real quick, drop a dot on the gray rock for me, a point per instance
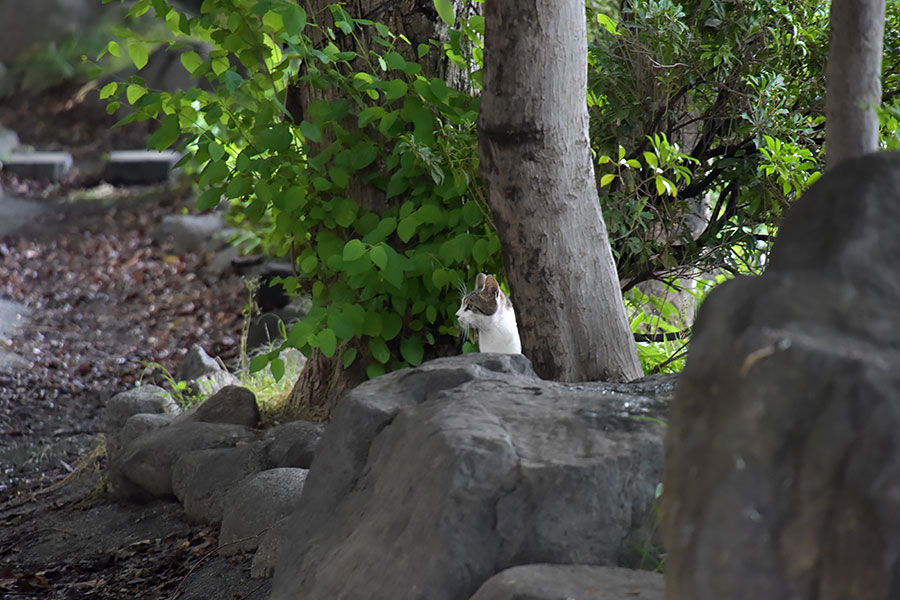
(145, 399)
(144, 469)
(475, 464)
(293, 444)
(263, 565)
(196, 363)
(255, 505)
(201, 479)
(782, 463)
(9, 140)
(568, 582)
(191, 233)
(39, 165)
(136, 167)
(140, 423)
(203, 373)
(212, 383)
(231, 404)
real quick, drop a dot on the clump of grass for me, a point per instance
(272, 394)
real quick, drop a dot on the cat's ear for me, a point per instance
(491, 286)
(479, 281)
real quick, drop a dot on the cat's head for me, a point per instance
(482, 304)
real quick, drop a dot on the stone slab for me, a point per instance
(39, 165)
(135, 167)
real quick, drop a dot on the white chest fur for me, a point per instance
(496, 333)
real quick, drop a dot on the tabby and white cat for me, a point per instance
(487, 310)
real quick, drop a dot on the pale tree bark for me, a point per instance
(853, 79)
(536, 164)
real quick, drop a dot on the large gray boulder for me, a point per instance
(568, 582)
(783, 458)
(430, 480)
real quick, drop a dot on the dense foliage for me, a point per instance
(706, 123)
(382, 271)
(716, 109)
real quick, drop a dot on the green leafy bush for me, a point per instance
(374, 191)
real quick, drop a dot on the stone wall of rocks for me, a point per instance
(460, 478)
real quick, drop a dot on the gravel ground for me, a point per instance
(101, 300)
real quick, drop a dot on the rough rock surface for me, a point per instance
(293, 444)
(196, 364)
(201, 479)
(783, 459)
(144, 469)
(145, 399)
(567, 582)
(430, 480)
(255, 505)
(231, 404)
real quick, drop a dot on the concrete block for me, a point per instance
(135, 167)
(39, 165)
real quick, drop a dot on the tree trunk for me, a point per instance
(853, 79)
(536, 164)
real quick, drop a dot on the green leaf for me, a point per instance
(113, 48)
(445, 11)
(216, 151)
(439, 89)
(325, 341)
(137, 51)
(277, 367)
(412, 351)
(294, 19)
(610, 25)
(348, 357)
(423, 123)
(391, 325)
(395, 88)
(308, 264)
(364, 154)
(481, 252)
(353, 250)
(431, 313)
(109, 90)
(374, 370)
(133, 92)
(369, 114)
(341, 326)
(191, 61)
(209, 199)
(651, 160)
(167, 134)
(607, 179)
(407, 228)
(379, 349)
(379, 257)
(311, 131)
(213, 173)
(258, 362)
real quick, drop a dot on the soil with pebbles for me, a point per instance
(103, 302)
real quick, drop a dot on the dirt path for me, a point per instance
(103, 300)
